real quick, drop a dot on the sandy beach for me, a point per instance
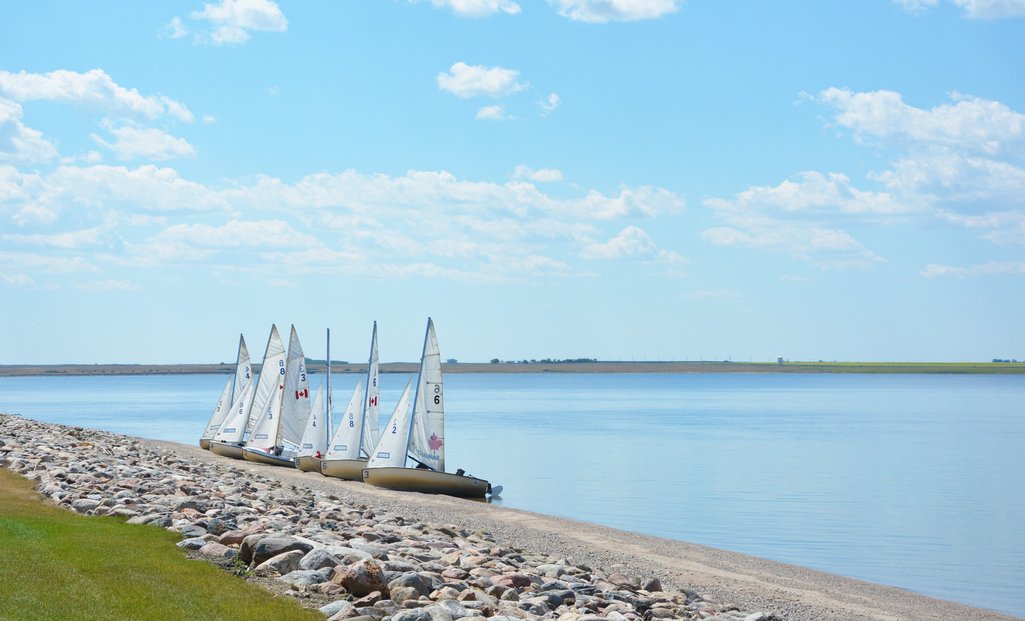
(791, 592)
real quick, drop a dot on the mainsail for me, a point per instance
(283, 417)
(220, 411)
(345, 443)
(270, 383)
(232, 389)
(427, 439)
(371, 407)
(314, 439)
(391, 450)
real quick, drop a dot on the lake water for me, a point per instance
(916, 481)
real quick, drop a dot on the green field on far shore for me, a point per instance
(56, 564)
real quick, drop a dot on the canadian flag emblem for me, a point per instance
(304, 393)
(373, 400)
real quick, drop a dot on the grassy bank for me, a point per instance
(55, 564)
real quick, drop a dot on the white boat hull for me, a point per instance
(426, 481)
(204, 443)
(262, 457)
(308, 463)
(225, 449)
(350, 469)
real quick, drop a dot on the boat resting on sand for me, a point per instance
(427, 481)
(261, 456)
(226, 449)
(358, 432)
(420, 436)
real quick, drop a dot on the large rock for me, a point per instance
(256, 549)
(318, 559)
(421, 583)
(363, 578)
(304, 577)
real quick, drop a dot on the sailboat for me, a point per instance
(421, 436)
(238, 425)
(314, 441)
(358, 432)
(232, 389)
(279, 425)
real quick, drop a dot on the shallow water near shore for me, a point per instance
(909, 480)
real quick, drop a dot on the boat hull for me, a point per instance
(426, 481)
(204, 443)
(224, 449)
(308, 463)
(260, 457)
(350, 469)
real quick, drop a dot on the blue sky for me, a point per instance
(617, 179)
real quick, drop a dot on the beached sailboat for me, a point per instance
(358, 432)
(232, 389)
(279, 425)
(238, 426)
(314, 441)
(421, 437)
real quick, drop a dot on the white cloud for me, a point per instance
(477, 80)
(426, 223)
(493, 113)
(549, 104)
(602, 11)
(19, 143)
(45, 264)
(972, 9)
(984, 269)
(969, 122)
(19, 280)
(108, 285)
(792, 218)
(145, 143)
(92, 87)
(478, 8)
(233, 20)
(543, 175)
(71, 240)
(630, 242)
(174, 29)
(236, 233)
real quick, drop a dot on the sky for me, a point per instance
(610, 179)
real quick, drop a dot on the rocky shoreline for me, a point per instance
(371, 555)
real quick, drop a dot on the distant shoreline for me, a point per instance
(984, 368)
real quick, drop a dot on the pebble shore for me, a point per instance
(375, 558)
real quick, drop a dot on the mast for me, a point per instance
(327, 402)
(418, 394)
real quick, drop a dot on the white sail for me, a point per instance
(234, 425)
(371, 407)
(345, 443)
(391, 450)
(270, 383)
(295, 407)
(243, 369)
(427, 439)
(220, 411)
(314, 439)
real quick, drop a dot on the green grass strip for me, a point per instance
(56, 564)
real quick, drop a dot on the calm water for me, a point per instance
(910, 480)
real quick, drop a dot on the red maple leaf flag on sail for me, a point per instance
(434, 442)
(305, 392)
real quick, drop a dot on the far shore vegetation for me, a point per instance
(57, 564)
(998, 366)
